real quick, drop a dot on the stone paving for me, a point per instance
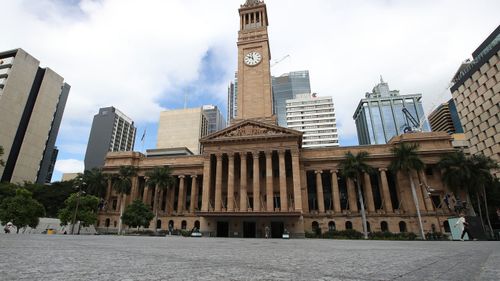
(65, 257)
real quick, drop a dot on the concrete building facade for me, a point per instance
(111, 131)
(476, 92)
(315, 117)
(445, 119)
(32, 102)
(380, 117)
(285, 87)
(182, 128)
(255, 175)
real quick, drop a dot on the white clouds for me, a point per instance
(69, 166)
(135, 55)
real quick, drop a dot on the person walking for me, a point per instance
(463, 225)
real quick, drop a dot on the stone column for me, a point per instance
(145, 194)
(256, 181)
(335, 192)
(205, 197)
(218, 184)
(319, 192)
(351, 194)
(155, 198)
(134, 190)
(194, 191)
(160, 199)
(386, 195)
(269, 181)
(243, 182)
(181, 198)
(171, 199)
(368, 192)
(230, 182)
(427, 197)
(303, 190)
(297, 194)
(108, 192)
(283, 193)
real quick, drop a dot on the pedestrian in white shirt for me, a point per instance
(463, 225)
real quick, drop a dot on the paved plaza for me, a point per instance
(64, 257)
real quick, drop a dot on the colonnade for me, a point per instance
(237, 182)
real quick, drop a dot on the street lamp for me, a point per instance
(78, 194)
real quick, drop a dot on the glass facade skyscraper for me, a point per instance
(232, 99)
(285, 87)
(216, 121)
(379, 116)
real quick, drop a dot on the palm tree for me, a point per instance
(1, 154)
(352, 167)
(123, 185)
(94, 182)
(161, 179)
(481, 167)
(456, 172)
(406, 160)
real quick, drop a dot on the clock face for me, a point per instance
(252, 58)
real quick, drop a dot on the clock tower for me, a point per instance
(254, 76)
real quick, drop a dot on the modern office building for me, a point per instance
(216, 121)
(111, 131)
(255, 175)
(182, 128)
(315, 117)
(32, 101)
(380, 115)
(287, 87)
(476, 93)
(232, 99)
(445, 119)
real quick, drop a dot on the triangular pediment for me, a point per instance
(251, 129)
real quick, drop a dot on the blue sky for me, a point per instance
(145, 56)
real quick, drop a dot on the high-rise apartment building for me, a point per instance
(315, 117)
(111, 131)
(232, 99)
(476, 92)
(216, 121)
(182, 128)
(445, 118)
(286, 87)
(380, 115)
(32, 101)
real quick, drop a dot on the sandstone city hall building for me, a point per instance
(255, 174)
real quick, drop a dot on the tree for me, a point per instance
(2, 163)
(137, 214)
(481, 167)
(7, 190)
(352, 167)
(93, 182)
(21, 210)
(122, 183)
(406, 160)
(86, 213)
(51, 196)
(159, 178)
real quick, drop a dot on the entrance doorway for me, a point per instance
(222, 229)
(277, 228)
(249, 229)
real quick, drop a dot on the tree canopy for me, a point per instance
(93, 182)
(87, 209)
(406, 158)
(137, 214)
(122, 182)
(22, 210)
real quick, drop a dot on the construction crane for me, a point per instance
(416, 125)
(280, 60)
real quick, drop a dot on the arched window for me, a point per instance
(170, 224)
(446, 226)
(107, 223)
(315, 227)
(368, 227)
(183, 225)
(348, 225)
(197, 225)
(158, 224)
(384, 226)
(402, 226)
(114, 223)
(331, 226)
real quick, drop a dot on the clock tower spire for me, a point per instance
(254, 75)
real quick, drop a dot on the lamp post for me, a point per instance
(76, 210)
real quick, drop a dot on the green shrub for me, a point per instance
(343, 234)
(436, 236)
(386, 235)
